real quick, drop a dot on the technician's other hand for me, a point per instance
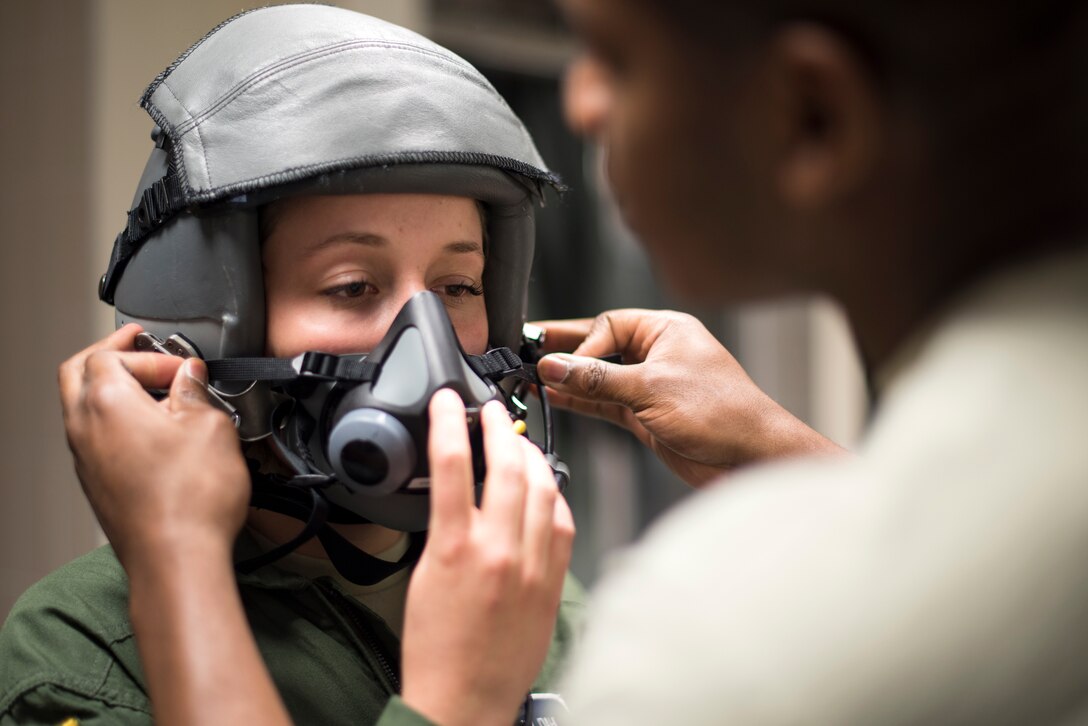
(159, 475)
(484, 597)
(681, 392)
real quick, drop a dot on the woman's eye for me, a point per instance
(460, 289)
(354, 288)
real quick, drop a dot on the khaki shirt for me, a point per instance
(939, 577)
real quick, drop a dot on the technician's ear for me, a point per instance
(587, 97)
(830, 116)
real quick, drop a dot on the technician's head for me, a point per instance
(788, 145)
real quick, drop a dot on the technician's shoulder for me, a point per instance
(67, 650)
(939, 576)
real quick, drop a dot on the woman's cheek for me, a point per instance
(298, 326)
(306, 325)
(288, 334)
(471, 327)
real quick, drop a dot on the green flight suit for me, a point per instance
(67, 649)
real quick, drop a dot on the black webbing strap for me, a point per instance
(362, 568)
(494, 365)
(285, 500)
(251, 369)
(159, 203)
(312, 507)
(323, 366)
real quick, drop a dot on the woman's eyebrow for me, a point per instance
(368, 239)
(362, 238)
(465, 247)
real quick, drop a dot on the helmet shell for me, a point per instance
(308, 99)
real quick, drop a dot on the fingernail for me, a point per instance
(553, 369)
(445, 397)
(496, 405)
(195, 370)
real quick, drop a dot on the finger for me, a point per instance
(592, 379)
(70, 373)
(564, 335)
(606, 336)
(630, 332)
(144, 370)
(503, 505)
(189, 387)
(613, 413)
(562, 546)
(608, 333)
(539, 513)
(124, 338)
(151, 370)
(450, 456)
(108, 387)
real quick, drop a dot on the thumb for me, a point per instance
(592, 379)
(189, 387)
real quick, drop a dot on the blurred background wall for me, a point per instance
(74, 142)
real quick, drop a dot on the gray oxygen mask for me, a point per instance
(353, 429)
(372, 435)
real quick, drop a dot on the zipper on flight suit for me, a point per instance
(344, 606)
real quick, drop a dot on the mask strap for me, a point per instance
(361, 567)
(286, 500)
(312, 507)
(495, 364)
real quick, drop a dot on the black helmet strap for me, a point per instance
(159, 203)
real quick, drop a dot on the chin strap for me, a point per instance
(301, 497)
(285, 500)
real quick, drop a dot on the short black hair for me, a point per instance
(913, 40)
(983, 73)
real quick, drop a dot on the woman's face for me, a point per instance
(338, 269)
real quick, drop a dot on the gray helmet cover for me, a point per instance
(309, 99)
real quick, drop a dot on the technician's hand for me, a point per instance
(681, 392)
(170, 488)
(483, 599)
(158, 474)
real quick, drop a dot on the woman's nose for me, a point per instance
(397, 299)
(382, 317)
(587, 97)
(404, 293)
